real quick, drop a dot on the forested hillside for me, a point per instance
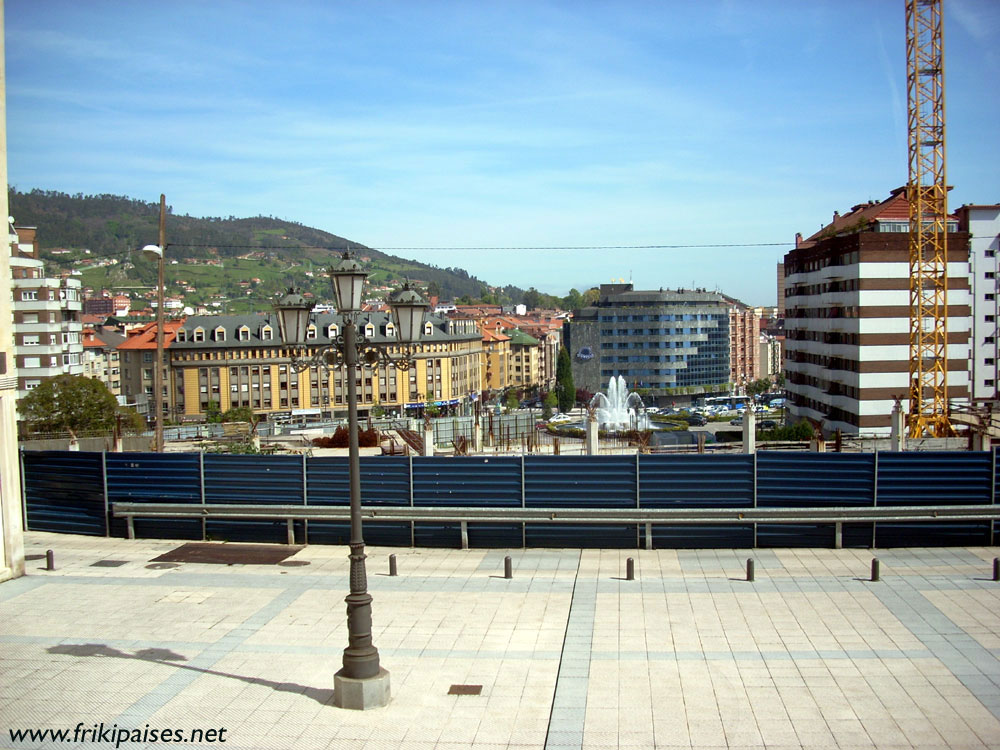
(278, 252)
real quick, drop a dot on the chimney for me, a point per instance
(836, 215)
(798, 239)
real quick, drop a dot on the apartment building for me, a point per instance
(495, 367)
(47, 328)
(101, 358)
(982, 222)
(744, 343)
(847, 318)
(525, 359)
(656, 340)
(137, 365)
(239, 360)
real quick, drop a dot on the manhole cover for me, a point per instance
(465, 690)
(108, 563)
(293, 563)
(229, 554)
(162, 566)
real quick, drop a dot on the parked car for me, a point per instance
(768, 424)
(738, 421)
(697, 420)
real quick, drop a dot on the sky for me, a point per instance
(428, 128)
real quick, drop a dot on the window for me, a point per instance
(220, 334)
(988, 383)
(29, 295)
(991, 275)
(244, 333)
(199, 334)
(29, 317)
(32, 362)
(30, 385)
(332, 331)
(267, 333)
(311, 331)
(147, 356)
(31, 340)
(181, 334)
(428, 328)
(369, 330)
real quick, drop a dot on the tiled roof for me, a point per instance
(893, 208)
(145, 337)
(520, 338)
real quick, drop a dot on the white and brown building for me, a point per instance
(47, 328)
(847, 318)
(982, 222)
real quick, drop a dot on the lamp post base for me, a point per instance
(361, 695)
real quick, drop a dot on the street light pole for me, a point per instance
(362, 683)
(360, 657)
(156, 252)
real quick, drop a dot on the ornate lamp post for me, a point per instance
(362, 683)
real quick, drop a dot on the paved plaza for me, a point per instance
(568, 653)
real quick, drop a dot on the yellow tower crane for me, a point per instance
(927, 193)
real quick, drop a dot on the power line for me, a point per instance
(484, 247)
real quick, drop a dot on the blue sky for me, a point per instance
(501, 124)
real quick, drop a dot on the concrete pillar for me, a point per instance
(116, 444)
(749, 430)
(74, 444)
(817, 445)
(592, 443)
(477, 436)
(897, 428)
(428, 440)
(981, 441)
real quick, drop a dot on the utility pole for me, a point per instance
(158, 373)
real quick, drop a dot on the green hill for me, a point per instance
(211, 259)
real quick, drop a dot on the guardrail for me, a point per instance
(646, 517)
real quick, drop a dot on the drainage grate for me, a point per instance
(465, 690)
(109, 563)
(229, 554)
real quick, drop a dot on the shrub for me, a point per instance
(340, 439)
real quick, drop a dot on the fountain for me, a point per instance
(619, 409)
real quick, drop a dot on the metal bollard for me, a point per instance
(875, 570)
(750, 573)
(996, 568)
(50, 560)
(508, 571)
(392, 565)
(630, 569)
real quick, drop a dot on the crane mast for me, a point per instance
(927, 194)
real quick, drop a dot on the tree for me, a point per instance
(573, 300)
(550, 401)
(212, 412)
(240, 414)
(564, 380)
(757, 387)
(72, 403)
(512, 400)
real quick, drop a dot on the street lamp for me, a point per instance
(155, 253)
(362, 683)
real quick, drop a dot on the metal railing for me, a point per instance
(647, 517)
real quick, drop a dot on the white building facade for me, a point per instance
(47, 327)
(982, 222)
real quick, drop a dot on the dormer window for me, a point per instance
(428, 328)
(311, 331)
(369, 329)
(199, 334)
(266, 333)
(244, 333)
(181, 335)
(220, 334)
(332, 331)
(390, 330)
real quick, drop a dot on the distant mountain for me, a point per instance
(278, 253)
